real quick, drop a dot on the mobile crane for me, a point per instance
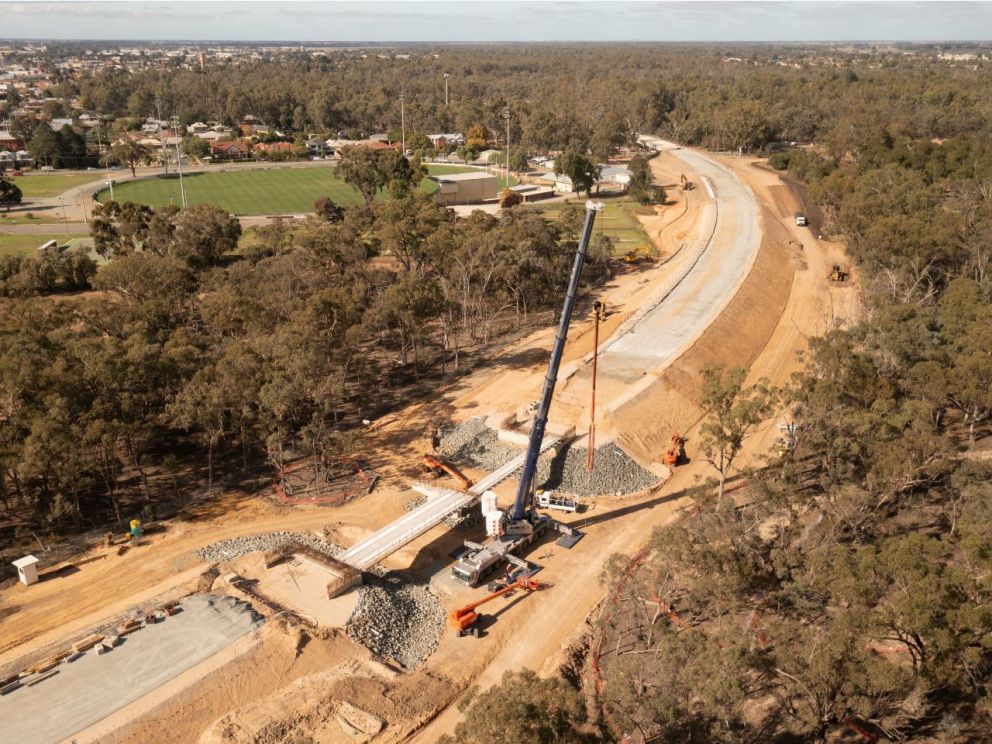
(522, 524)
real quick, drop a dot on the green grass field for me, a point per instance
(24, 244)
(618, 220)
(53, 184)
(287, 190)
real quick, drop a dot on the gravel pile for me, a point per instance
(614, 472)
(473, 443)
(398, 620)
(235, 547)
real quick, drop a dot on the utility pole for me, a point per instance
(597, 314)
(403, 124)
(161, 137)
(65, 224)
(446, 76)
(82, 201)
(506, 113)
(179, 162)
(99, 146)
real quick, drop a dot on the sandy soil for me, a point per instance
(806, 303)
(528, 630)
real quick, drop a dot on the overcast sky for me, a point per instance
(495, 20)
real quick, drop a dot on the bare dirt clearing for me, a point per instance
(782, 299)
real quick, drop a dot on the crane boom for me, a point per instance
(541, 418)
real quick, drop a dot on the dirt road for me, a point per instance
(533, 635)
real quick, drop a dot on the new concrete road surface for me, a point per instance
(719, 259)
(92, 687)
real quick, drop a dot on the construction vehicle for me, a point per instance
(801, 220)
(837, 274)
(641, 254)
(466, 620)
(675, 450)
(548, 500)
(437, 466)
(685, 182)
(522, 524)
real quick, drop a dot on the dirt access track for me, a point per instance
(781, 297)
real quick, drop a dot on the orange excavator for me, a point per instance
(436, 466)
(674, 452)
(465, 619)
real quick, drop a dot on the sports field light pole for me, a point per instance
(403, 124)
(446, 76)
(179, 163)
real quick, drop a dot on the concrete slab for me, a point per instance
(94, 686)
(300, 584)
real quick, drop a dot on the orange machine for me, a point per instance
(464, 619)
(674, 451)
(436, 464)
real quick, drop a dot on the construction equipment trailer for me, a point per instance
(522, 524)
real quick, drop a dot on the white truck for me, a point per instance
(548, 500)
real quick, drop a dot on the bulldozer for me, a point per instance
(837, 274)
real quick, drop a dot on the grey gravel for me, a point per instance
(397, 619)
(235, 547)
(473, 443)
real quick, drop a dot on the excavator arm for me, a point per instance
(465, 617)
(434, 463)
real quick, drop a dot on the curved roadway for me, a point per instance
(705, 280)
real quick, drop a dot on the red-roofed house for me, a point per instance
(230, 150)
(282, 149)
(377, 145)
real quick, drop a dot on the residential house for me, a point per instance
(282, 149)
(378, 145)
(197, 127)
(442, 141)
(9, 142)
(316, 147)
(57, 124)
(229, 150)
(211, 136)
